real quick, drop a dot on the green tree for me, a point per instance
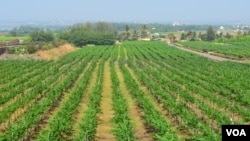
(193, 36)
(100, 33)
(199, 35)
(204, 36)
(135, 36)
(144, 31)
(126, 34)
(171, 37)
(41, 36)
(228, 36)
(13, 32)
(210, 34)
(221, 34)
(103, 27)
(127, 28)
(189, 33)
(183, 37)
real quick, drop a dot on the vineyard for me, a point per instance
(134, 91)
(234, 50)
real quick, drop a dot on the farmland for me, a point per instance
(233, 50)
(133, 91)
(8, 38)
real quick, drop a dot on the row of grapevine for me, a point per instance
(178, 109)
(14, 131)
(200, 83)
(123, 129)
(236, 50)
(153, 118)
(38, 90)
(60, 124)
(168, 69)
(178, 94)
(89, 121)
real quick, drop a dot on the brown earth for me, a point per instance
(105, 124)
(55, 53)
(135, 112)
(19, 57)
(83, 105)
(51, 54)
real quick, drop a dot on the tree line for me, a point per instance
(99, 33)
(129, 34)
(211, 35)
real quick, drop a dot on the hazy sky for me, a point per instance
(188, 11)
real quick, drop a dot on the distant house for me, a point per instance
(20, 41)
(145, 39)
(222, 28)
(155, 35)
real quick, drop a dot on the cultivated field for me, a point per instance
(8, 38)
(135, 91)
(234, 50)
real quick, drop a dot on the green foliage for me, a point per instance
(22, 30)
(183, 37)
(130, 35)
(17, 50)
(9, 38)
(229, 38)
(235, 50)
(98, 34)
(171, 37)
(31, 48)
(144, 32)
(210, 34)
(13, 33)
(127, 35)
(203, 37)
(135, 36)
(41, 36)
(156, 27)
(190, 36)
(175, 92)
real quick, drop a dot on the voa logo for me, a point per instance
(236, 132)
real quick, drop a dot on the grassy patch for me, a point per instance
(9, 38)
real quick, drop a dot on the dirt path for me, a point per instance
(83, 106)
(207, 55)
(125, 52)
(134, 112)
(119, 54)
(105, 125)
(20, 57)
